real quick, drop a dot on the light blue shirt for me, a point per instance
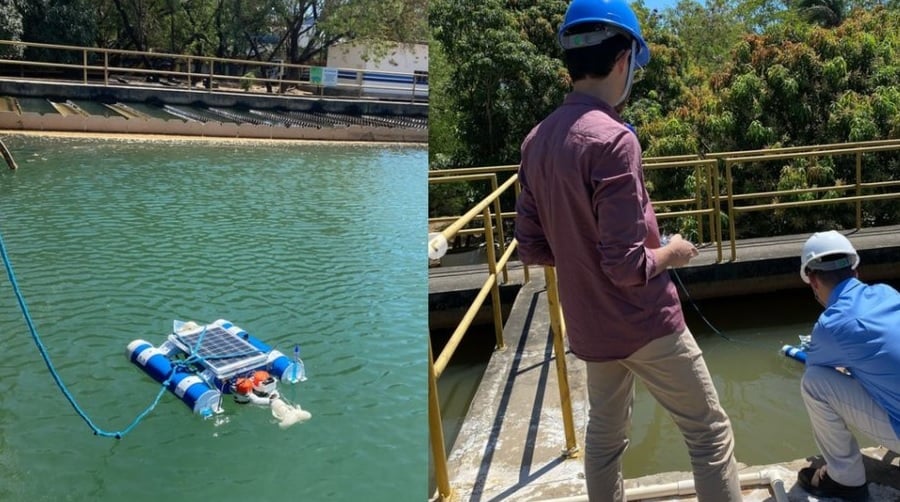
(860, 330)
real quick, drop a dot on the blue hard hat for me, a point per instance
(616, 15)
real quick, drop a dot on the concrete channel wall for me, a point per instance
(14, 120)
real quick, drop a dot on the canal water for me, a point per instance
(759, 387)
(319, 246)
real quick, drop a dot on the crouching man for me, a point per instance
(859, 331)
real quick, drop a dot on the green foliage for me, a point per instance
(505, 74)
(726, 75)
(10, 27)
(248, 80)
(64, 22)
(297, 31)
(707, 31)
(826, 13)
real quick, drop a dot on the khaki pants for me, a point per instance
(675, 373)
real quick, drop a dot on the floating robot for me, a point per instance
(198, 364)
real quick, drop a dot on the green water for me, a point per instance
(757, 385)
(317, 245)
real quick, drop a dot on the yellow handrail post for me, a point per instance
(500, 236)
(526, 276)
(728, 186)
(436, 432)
(717, 214)
(699, 201)
(858, 190)
(562, 374)
(495, 287)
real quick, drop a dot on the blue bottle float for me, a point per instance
(192, 390)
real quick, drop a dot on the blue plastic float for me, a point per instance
(200, 363)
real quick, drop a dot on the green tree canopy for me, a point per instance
(299, 31)
(505, 76)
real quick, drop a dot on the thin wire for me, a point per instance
(694, 304)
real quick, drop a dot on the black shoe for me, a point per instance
(816, 482)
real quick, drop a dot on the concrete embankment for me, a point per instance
(246, 115)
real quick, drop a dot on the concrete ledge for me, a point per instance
(185, 96)
(76, 123)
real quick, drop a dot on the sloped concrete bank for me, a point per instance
(239, 115)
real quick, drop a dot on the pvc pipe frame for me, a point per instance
(686, 487)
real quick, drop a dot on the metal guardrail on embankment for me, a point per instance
(487, 216)
(108, 67)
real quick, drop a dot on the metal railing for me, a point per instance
(706, 202)
(101, 66)
(491, 286)
(490, 222)
(810, 154)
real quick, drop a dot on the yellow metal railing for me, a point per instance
(491, 286)
(706, 202)
(96, 67)
(436, 366)
(491, 177)
(811, 154)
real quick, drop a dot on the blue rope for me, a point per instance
(62, 386)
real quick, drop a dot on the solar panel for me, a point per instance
(223, 352)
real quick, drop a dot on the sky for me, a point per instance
(660, 5)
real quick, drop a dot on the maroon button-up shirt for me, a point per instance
(584, 208)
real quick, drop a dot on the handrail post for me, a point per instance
(728, 185)
(562, 374)
(499, 212)
(699, 201)
(717, 214)
(858, 190)
(211, 64)
(106, 68)
(526, 275)
(436, 432)
(495, 287)
(84, 65)
(190, 66)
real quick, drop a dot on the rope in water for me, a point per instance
(193, 358)
(56, 378)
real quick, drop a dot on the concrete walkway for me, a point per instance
(509, 447)
(510, 444)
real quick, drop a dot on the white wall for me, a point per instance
(401, 58)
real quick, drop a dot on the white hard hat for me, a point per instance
(823, 244)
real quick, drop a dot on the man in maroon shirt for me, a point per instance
(585, 210)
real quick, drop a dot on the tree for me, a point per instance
(825, 13)
(506, 72)
(707, 32)
(307, 28)
(10, 27)
(63, 22)
(299, 31)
